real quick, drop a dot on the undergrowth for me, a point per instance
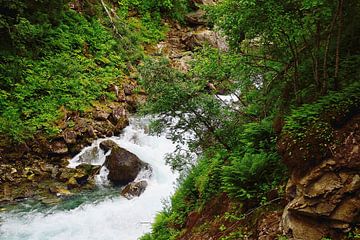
(47, 66)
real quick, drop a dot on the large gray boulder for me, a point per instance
(123, 166)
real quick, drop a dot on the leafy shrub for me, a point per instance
(172, 8)
(331, 109)
(250, 175)
(68, 65)
(309, 129)
(208, 181)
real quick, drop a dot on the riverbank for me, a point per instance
(100, 213)
(38, 167)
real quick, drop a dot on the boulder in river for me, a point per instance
(123, 166)
(107, 145)
(134, 189)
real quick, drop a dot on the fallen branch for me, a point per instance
(111, 19)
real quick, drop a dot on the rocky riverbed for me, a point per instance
(38, 168)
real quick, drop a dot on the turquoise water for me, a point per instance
(95, 196)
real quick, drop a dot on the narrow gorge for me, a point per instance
(179, 120)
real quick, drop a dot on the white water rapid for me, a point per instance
(112, 218)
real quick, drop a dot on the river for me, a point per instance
(102, 214)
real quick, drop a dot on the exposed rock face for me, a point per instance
(196, 18)
(134, 189)
(326, 200)
(123, 166)
(201, 37)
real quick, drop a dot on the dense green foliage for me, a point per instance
(74, 64)
(304, 44)
(172, 8)
(236, 142)
(53, 58)
(332, 109)
(313, 126)
(283, 55)
(297, 61)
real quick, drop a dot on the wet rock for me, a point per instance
(69, 136)
(66, 174)
(123, 123)
(46, 167)
(117, 115)
(123, 166)
(91, 132)
(89, 169)
(134, 101)
(134, 189)
(51, 200)
(58, 147)
(101, 115)
(81, 126)
(107, 145)
(72, 183)
(104, 129)
(28, 173)
(76, 177)
(59, 191)
(55, 172)
(6, 192)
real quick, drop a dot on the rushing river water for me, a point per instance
(103, 214)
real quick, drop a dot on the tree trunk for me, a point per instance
(338, 44)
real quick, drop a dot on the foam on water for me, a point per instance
(115, 218)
